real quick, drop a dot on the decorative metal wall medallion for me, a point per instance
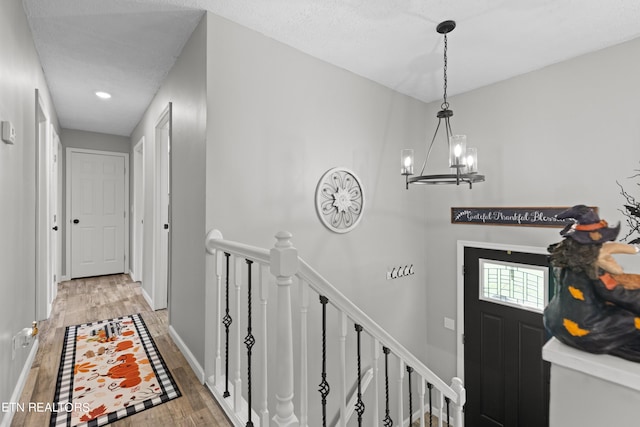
(339, 200)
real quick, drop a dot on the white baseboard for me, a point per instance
(22, 379)
(436, 413)
(195, 366)
(147, 298)
(237, 417)
(133, 276)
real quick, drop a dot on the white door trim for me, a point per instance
(161, 254)
(56, 237)
(137, 211)
(69, 152)
(43, 236)
(461, 245)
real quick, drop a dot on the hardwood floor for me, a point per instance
(92, 299)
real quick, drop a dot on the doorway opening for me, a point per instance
(162, 224)
(502, 290)
(44, 227)
(97, 197)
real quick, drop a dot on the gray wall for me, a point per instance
(558, 136)
(20, 75)
(71, 138)
(577, 399)
(94, 141)
(277, 120)
(185, 88)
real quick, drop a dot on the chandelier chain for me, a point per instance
(445, 104)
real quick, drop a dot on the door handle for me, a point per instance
(76, 221)
(55, 228)
(166, 226)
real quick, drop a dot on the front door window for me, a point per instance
(517, 285)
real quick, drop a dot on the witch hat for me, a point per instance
(589, 229)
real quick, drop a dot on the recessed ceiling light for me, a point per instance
(103, 95)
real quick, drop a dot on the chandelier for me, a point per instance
(462, 160)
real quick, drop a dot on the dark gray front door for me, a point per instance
(506, 379)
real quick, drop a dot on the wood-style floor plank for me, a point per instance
(106, 297)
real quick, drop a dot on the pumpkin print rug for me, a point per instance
(109, 370)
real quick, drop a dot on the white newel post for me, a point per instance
(284, 265)
(456, 385)
(212, 317)
(264, 295)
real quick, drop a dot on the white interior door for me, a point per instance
(98, 215)
(163, 211)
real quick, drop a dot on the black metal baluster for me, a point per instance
(410, 371)
(359, 403)
(447, 400)
(430, 386)
(249, 341)
(324, 385)
(226, 320)
(387, 421)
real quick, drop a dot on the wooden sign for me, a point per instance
(526, 217)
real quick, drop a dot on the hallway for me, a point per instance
(87, 300)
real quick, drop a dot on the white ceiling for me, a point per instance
(127, 47)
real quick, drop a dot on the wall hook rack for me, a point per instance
(401, 271)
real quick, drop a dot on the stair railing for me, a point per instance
(247, 325)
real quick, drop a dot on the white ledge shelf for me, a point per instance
(603, 366)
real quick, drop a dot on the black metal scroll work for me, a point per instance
(324, 385)
(410, 371)
(447, 400)
(387, 421)
(249, 341)
(430, 386)
(359, 403)
(226, 321)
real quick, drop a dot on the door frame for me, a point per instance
(43, 265)
(60, 212)
(137, 212)
(67, 167)
(55, 213)
(161, 289)
(461, 245)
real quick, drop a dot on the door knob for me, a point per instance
(55, 228)
(76, 221)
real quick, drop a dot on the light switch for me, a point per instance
(8, 132)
